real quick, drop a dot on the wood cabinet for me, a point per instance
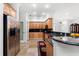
(40, 35)
(49, 23)
(12, 12)
(45, 48)
(49, 49)
(31, 35)
(35, 35)
(74, 28)
(39, 25)
(36, 25)
(8, 10)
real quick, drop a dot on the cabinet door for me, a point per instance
(78, 28)
(41, 35)
(12, 12)
(31, 35)
(31, 25)
(43, 25)
(38, 25)
(6, 9)
(49, 24)
(49, 49)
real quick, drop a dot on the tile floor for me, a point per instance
(29, 49)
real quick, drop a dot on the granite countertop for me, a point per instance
(49, 41)
(67, 40)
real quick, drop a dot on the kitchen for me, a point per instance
(53, 26)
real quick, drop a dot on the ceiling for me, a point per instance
(43, 9)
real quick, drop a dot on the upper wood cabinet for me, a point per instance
(8, 10)
(36, 25)
(41, 25)
(49, 23)
(12, 12)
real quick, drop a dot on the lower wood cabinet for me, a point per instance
(45, 48)
(49, 49)
(35, 35)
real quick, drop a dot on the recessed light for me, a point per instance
(67, 13)
(48, 15)
(34, 13)
(64, 22)
(34, 5)
(43, 13)
(47, 6)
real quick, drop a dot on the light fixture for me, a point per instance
(43, 13)
(64, 22)
(34, 5)
(67, 13)
(48, 15)
(47, 6)
(34, 13)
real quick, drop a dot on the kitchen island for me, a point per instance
(65, 46)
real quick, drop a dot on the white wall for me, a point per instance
(61, 21)
(70, 15)
(1, 29)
